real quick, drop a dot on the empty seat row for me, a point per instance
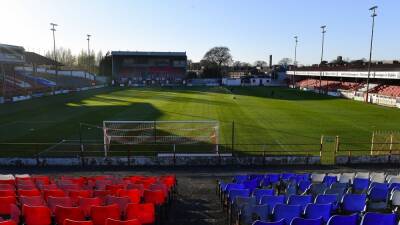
(271, 196)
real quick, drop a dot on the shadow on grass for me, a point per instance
(279, 93)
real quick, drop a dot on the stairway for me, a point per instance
(197, 203)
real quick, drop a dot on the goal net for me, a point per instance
(160, 132)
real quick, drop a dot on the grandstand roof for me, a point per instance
(34, 58)
(140, 53)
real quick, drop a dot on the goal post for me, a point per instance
(160, 132)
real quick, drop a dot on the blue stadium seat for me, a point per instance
(343, 220)
(303, 186)
(272, 201)
(328, 199)
(287, 176)
(393, 186)
(233, 193)
(258, 193)
(240, 178)
(317, 189)
(301, 221)
(271, 179)
(301, 200)
(360, 185)
(315, 211)
(329, 180)
(335, 191)
(230, 186)
(378, 198)
(354, 203)
(251, 184)
(303, 177)
(379, 219)
(290, 190)
(240, 202)
(379, 185)
(340, 186)
(259, 222)
(250, 211)
(286, 212)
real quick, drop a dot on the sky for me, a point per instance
(252, 29)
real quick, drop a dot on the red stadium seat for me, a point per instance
(41, 179)
(169, 181)
(5, 204)
(145, 213)
(114, 188)
(37, 215)
(47, 186)
(69, 186)
(53, 193)
(32, 200)
(133, 194)
(139, 187)
(29, 193)
(73, 213)
(12, 182)
(122, 202)
(8, 222)
(101, 193)
(120, 222)
(74, 222)
(80, 193)
(157, 197)
(99, 214)
(26, 187)
(86, 204)
(6, 193)
(52, 202)
(15, 213)
(7, 187)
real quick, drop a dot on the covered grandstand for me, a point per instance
(350, 81)
(148, 68)
(27, 74)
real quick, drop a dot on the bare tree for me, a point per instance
(260, 63)
(218, 57)
(285, 62)
(64, 56)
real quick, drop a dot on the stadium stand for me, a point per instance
(45, 200)
(330, 85)
(360, 198)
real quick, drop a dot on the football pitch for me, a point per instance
(281, 118)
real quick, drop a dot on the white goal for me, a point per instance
(160, 132)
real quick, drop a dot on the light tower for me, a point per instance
(53, 29)
(88, 46)
(322, 58)
(373, 15)
(295, 60)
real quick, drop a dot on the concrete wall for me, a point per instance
(164, 161)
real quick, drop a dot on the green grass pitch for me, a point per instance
(262, 115)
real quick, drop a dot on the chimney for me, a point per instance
(270, 61)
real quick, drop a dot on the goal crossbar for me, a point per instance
(160, 132)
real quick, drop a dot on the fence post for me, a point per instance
(372, 142)
(129, 157)
(263, 154)
(337, 148)
(174, 154)
(233, 136)
(37, 155)
(321, 146)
